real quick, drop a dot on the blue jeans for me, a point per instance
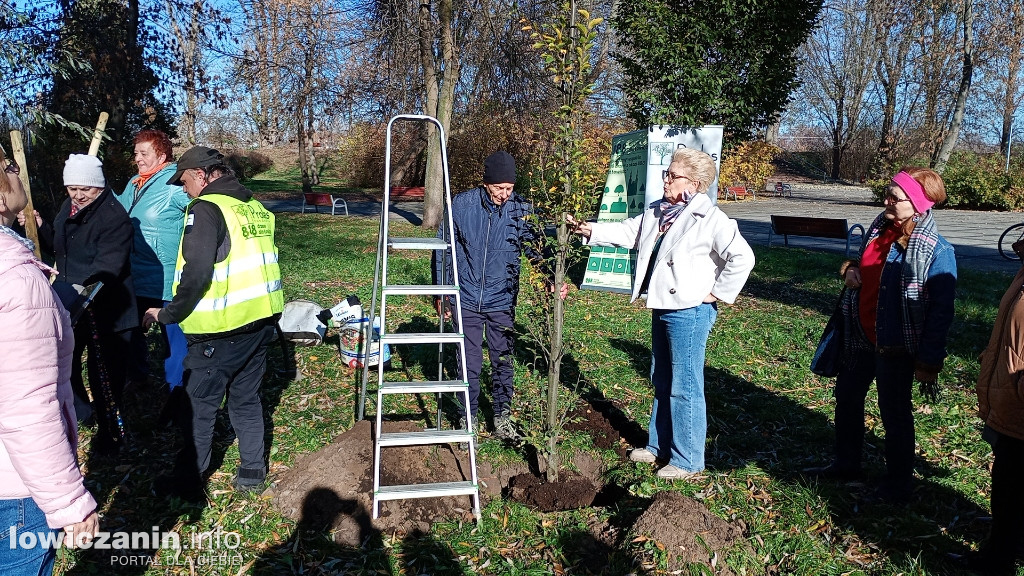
(894, 376)
(25, 518)
(177, 349)
(679, 423)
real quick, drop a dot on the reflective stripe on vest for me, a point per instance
(246, 286)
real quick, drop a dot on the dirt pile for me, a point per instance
(339, 478)
(689, 532)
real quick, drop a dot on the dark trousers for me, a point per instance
(138, 365)
(235, 366)
(1007, 500)
(894, 376)
(174, 347)
(106, 369)
(500, 340)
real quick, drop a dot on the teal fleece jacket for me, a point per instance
(157, 212)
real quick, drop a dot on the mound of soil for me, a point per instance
(332, 489)
(571, 492)
(677, 521)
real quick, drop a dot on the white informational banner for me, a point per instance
(634, 182)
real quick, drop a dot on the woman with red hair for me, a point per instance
(897, 311)
(157, 211)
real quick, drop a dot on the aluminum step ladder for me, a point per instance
(382, 285)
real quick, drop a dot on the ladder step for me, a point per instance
(421, 289)
(424, 437)
(417, 243)
(423, 387)
(426, 490)
(422, 338)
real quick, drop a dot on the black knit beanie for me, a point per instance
(500, 168)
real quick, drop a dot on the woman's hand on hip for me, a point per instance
(852, 278)
(710, 298)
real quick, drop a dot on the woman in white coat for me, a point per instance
(691, 255)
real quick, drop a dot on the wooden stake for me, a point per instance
(18, 150)
(97, 135)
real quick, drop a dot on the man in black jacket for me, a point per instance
(227, 297)
(491, 233)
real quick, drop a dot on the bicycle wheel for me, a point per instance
(1010, 236)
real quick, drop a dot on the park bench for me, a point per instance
(407, 193)
(838, 228)
(317, 199)
(738, 192)
(783, 189)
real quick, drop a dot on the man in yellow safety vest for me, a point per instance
(227, 298)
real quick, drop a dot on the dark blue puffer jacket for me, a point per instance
(488, 242)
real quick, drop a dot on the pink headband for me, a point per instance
(915, 191)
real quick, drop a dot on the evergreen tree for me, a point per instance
(108, 35)
(692, 62)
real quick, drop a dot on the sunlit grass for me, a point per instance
(769, 417)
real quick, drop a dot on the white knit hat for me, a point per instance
(84, 170)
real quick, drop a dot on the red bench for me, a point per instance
(738, 192)
(407, 193)
(317, 199)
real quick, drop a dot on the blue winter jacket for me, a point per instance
(940, 290)
(157, 212)
(489, 240)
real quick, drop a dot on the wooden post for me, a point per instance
(97, 135)
(18, 150)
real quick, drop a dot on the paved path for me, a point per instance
(974, 234)
(409, 211)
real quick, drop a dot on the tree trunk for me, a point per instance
(771, 133)
(939, 163)
(440, 101)
(314, 172)
(1009, 99)
(300, 136)
(889, 71)
(555, 363)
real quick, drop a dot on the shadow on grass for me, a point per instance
(123, 486)
(424, 359)
(748, 424)
(311, 549)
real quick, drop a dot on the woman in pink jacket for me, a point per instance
(41, 488)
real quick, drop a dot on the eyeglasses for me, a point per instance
(894, 199)
(668, 175)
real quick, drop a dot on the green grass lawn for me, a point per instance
(769, 417)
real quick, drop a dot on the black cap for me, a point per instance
(195, 157)
(500, 168)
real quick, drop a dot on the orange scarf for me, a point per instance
(140, 180)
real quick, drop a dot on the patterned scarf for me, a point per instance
(25, 241)
(916, 263)
(670, 211)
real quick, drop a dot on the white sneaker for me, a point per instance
(642, 455)
(670, 472)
